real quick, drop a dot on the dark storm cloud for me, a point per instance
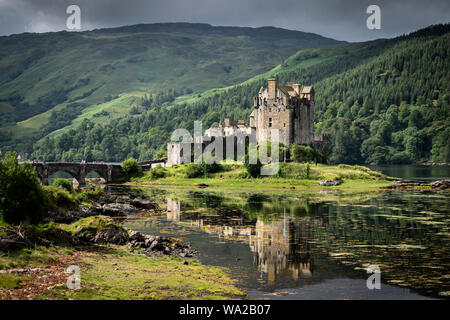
(339, 19)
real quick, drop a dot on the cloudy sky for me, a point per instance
(338, 19)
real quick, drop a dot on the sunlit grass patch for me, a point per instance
(118, 274)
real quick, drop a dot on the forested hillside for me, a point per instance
(49, 80)
(394, 109)
(384, 101)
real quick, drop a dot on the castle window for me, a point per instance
(270, 122)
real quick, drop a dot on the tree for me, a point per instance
(21, 195)
(302, 153)
(64, 184)
(130, 167)
(160, 154)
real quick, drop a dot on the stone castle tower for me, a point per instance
(289, 108)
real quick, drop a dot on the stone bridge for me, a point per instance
(109, 171)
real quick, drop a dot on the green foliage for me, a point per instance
(130, 168)
(21, 195)
(197, 170)
(63, 183)
(11, 281)
(93, 224)
(194, 170)
(212, 167)
(307, 171)
(90, 194)
(304, 153)
(57, 197)
(405, 96)
(253, 169)
(158, 172)
(160, 154)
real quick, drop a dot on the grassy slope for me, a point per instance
(147, 58)
(119, 107)
(291, 176)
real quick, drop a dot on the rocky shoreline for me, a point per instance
(107, 205)
(104, 211)
(410, 184)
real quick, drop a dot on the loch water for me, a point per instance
(312, 245)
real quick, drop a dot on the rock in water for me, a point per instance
(144, 204)
(440, 184)
(118, 209)
(327, 183)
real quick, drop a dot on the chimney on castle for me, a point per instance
(271, 88)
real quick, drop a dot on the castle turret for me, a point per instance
(271, 88)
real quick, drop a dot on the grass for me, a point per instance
(290, 175)
(30, 258)
(112, 272)
(115, 273)
(11, 281)
(91, 224)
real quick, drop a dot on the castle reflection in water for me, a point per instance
(280, 248)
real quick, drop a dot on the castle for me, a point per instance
(288, 108)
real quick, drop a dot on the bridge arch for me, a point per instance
(99, 173)
(61, 174)
(108, 171)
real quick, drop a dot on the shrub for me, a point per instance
(194, 170)
(63, 183)
(21, 195)
(58, 197)
(130, 168)
(158, 172)
(302, 153)
(211, 167)
(254, 170)
(90, 194)
(307, 171)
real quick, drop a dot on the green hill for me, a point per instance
(383, 101)
(52, 71)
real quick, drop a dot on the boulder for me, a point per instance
(112, 234)
(118, 209)
(13, 243)
(144, 204)
(327, 183)
(136, 236)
